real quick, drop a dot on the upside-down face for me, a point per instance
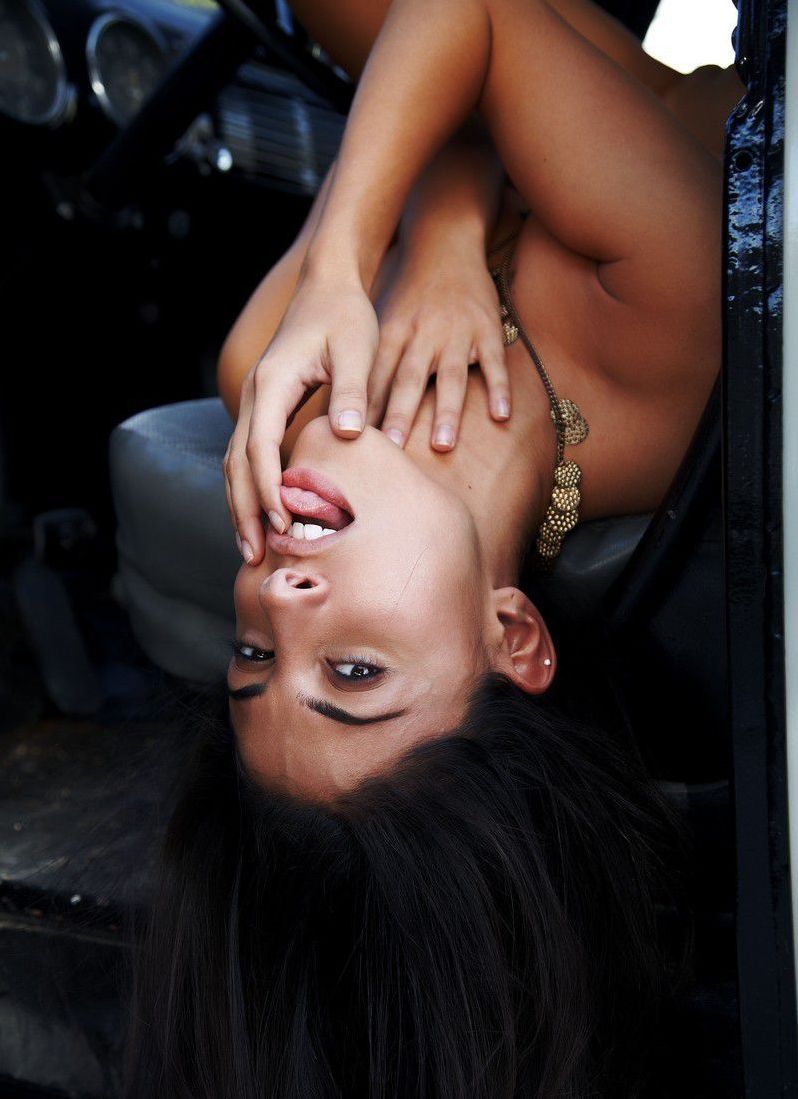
(361, 631)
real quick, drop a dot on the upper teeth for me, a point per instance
(309, 531)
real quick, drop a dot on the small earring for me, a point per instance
(547, 662)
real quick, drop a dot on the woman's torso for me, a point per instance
(640, 372)
(640, 379)
(640, 376)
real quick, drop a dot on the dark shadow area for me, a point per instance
(114, 311)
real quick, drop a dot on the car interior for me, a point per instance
(160, 156)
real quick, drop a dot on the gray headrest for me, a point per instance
(177, 553)
(178, 558)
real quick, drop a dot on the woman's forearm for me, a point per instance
(456, 198)
(418, 88)
(459, 192)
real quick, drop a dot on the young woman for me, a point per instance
(398, 868)
(616, 282)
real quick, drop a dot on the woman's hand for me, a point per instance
(328, 336)
(440, 313)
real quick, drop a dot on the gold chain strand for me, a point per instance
(562, 513)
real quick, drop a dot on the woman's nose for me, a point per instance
(294, 587)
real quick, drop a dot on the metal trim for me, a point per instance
(790, 431)
(754, 551)
(61, 101)
(96, 31)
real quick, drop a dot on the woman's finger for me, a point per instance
(352, 358)
(408, 387)
(382, 374)
(245, 515)
(450, 391)
(277, 392)
(493, 363)
(242, 495)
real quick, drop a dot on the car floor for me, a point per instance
(82, 801)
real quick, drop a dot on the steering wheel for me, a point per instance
(187, 89)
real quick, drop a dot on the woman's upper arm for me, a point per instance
(255, 326)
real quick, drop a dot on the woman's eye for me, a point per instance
(251, 653)
(355, 670)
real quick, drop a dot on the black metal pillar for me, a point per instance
(752, 465)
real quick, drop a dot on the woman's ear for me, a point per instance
(524, 651)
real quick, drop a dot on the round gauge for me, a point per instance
(33, 85)
(126, 62)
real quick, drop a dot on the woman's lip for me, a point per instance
(286, 546)
(307, 506)
(299, 477)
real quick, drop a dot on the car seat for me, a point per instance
(178, 558)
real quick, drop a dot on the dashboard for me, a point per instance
(73, 72)
(33, 81)
(137, 296)
(125, 56)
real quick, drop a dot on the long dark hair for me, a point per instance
(479, 924)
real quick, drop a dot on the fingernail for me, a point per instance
(350, 420)
(444, 435)
(503, 408)
(276, 521)
(247, 551)
(395, 435)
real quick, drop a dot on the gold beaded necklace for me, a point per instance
(572, 428)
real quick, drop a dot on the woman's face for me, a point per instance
(375, 631)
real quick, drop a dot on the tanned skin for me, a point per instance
(617, 269)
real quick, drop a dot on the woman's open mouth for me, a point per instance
(319, 513)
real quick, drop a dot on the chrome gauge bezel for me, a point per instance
(57, 112)
(96, 31)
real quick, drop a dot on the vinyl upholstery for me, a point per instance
(177, 553)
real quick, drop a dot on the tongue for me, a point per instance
(303, 502)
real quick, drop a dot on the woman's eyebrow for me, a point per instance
(241, 694)
(326, 709)
(335, 713)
